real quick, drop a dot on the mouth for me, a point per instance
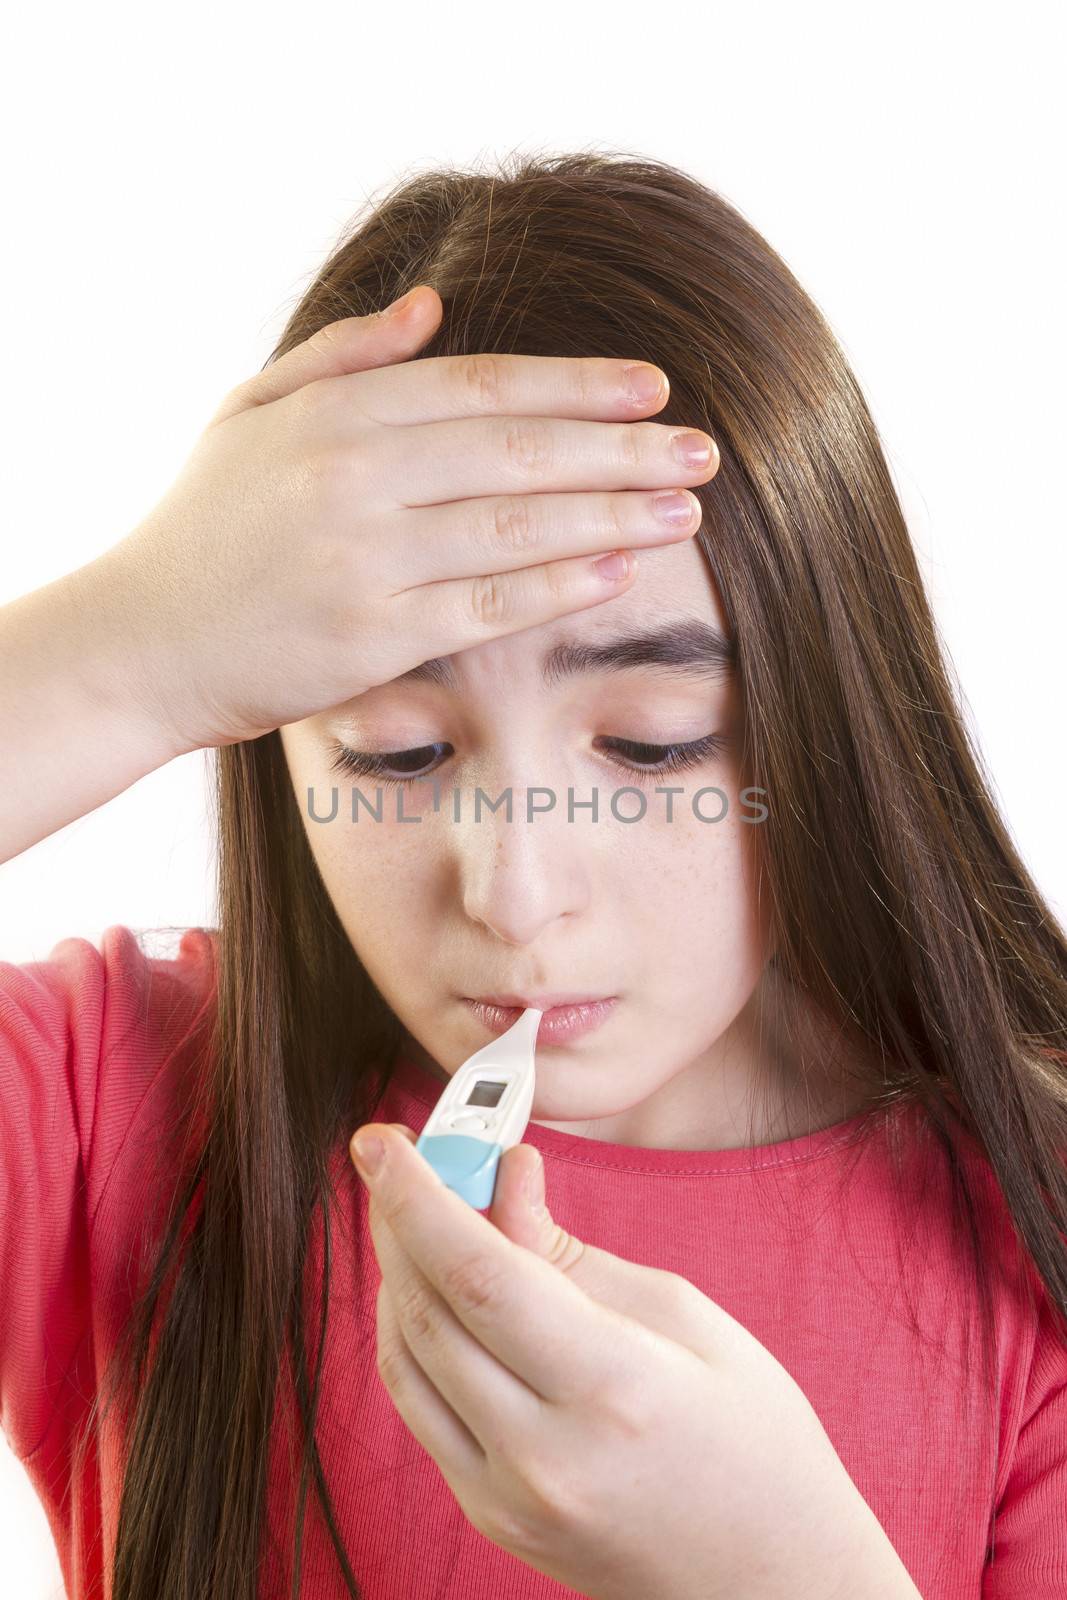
(565, 1017)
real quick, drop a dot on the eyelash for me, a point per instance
(677, 758)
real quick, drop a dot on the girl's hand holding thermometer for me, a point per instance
(603, 1421)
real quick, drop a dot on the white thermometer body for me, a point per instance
(483, 1111)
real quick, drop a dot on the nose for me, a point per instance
(517, 877)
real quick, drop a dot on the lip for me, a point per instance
(542, 1002)
(564, 1019)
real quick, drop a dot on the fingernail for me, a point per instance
(612, 568)
(674, 508)
(694, 449)
(535, 1185)
(398, 305)
(645, 383)
(367, 1152)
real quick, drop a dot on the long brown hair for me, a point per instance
(901, 907)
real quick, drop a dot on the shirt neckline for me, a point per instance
(420, 1091)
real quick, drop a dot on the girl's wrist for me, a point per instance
(76, 724)
(124, 672)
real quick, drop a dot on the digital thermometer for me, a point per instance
(484, 1111)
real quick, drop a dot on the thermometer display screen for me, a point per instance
(486, 1092)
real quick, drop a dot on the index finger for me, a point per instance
(487, 383)
(535, 1320)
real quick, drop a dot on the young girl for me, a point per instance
(790, 1317)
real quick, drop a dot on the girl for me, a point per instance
(770, 1301)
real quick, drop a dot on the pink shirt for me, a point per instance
(807, 1242)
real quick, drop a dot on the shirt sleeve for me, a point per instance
(1029, 1536)
(82, 1035)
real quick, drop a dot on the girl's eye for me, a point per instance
(657, 760)
(645, 761)
(367, 764)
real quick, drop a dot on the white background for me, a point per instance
(173, 179)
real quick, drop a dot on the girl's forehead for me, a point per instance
(669, 619)
(674, 587)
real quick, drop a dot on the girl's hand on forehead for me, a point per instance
(350, 512)
(603, 1421)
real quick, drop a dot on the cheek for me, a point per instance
(378, 875)
(695, 906)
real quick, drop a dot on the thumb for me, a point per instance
(658, 1299)
(351, 344)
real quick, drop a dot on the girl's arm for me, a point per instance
(266, 536)
(79, 716)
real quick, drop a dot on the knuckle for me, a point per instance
(304, 435)
(551, 1494)
(591, 378)
(560, 582)
(527, 443)
(481, 376)
(492, 599)
(514, 529)
(634, 442)
(615, 519)
(497, 1520)
(330, 337)
(390, 1367)
(330, 472)
(337, 588)
(685, 1297)
(630, 1407)
(310, 400)
(608, 1395)
(416, 1312)
(319, 464)
(471, 1282)
(482, 1507)
(346, 621)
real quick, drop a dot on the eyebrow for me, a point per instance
(690, 646)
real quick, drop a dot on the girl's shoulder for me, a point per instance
(86, 1031)
(86, 1037)
(82, 977)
